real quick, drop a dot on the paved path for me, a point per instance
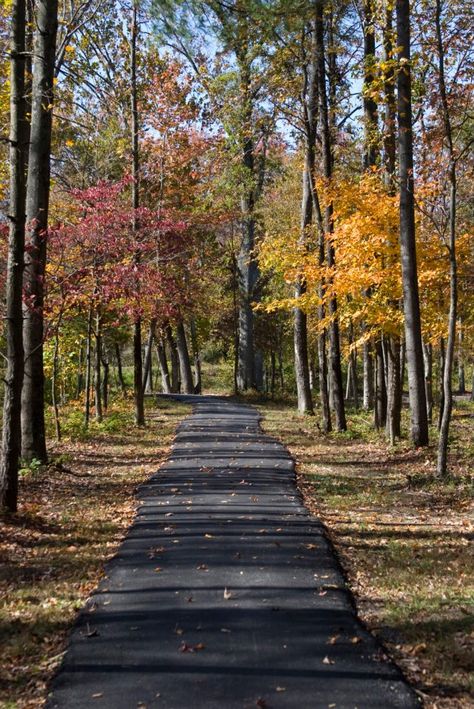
(225, 593)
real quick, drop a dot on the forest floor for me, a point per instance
(403, 538)
(72, 516)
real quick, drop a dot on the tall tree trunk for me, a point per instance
(394, 380)
(300, 337)
(442, 462)
(333, 330)
(11, 437)
(137, 329)
(184, 361)
(165, 375)
(196, 357)
(175, 369)
(411, 303)
(87, 409)
(247, 266)
(37, 207)
(98, 368)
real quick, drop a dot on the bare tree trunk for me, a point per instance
(411, 303)
(394, 390)
(137, 329)
(442, 463)
(54, 379)
(442, 353)
(368, 394)
(196, 357)
(147, 368)
(80, 375)
(37, 208)
(175, 369)
(98, 359)
(105, 379)
(87, 411)
(165, 375)
(428, 362)
(248, 272)
(394, 378)
(380, 409)
(461, 369)
(300, 338)
(333, 331)
(11, 437)
(184, 361)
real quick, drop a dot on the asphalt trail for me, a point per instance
(225, 593)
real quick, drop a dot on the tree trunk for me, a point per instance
(442, 463)
(394, 390)
(105, 380)
(184, 361)
(118, 359)
(37, 207)
(367, 360)
(97, 377)
(54, 380)
(428, 362)
(165, 375)
(461, 370)
(175, 369)
(440, 383)
(87, 410)
(370, 107)
(246, 264)
(411, 304)
(333, 330)
(80, 375)
(300, 340)
(11, 437)
(147, 368)
(380, 408)
(137, 329)
(197, 358)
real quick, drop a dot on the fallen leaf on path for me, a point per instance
(327, 661)
(281, 689)
(97, 695)
(227, 594)
(202, 567)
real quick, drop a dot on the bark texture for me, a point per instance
(11, 438)
(37, 207)
(411, 303)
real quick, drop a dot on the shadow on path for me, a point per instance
(226, 593)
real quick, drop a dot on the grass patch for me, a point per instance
(73, 514)
(403, 537)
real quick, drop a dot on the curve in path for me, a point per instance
(225, 593)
